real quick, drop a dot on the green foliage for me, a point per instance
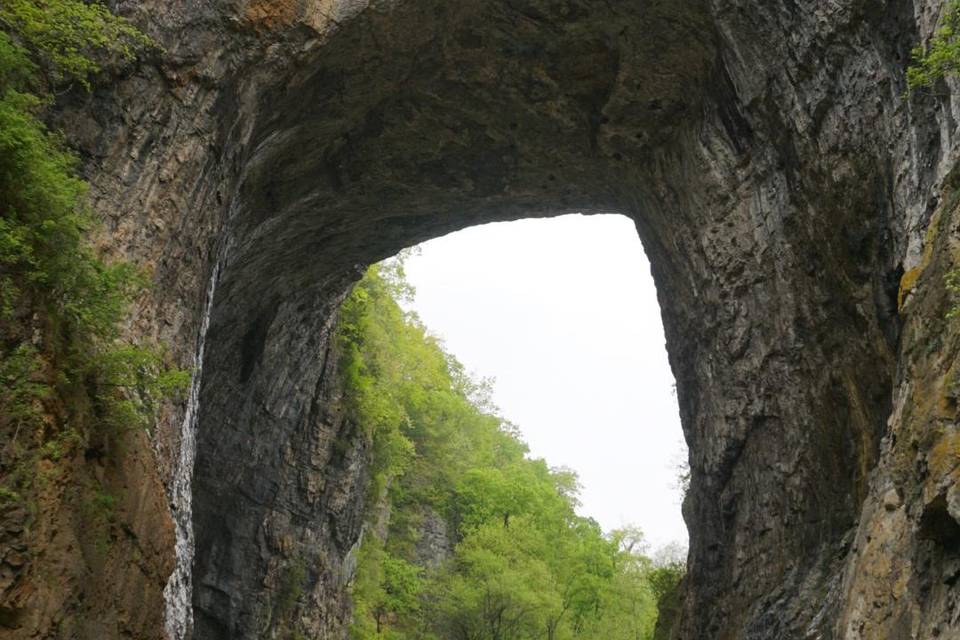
(524, 565)
(402, 585)
(942, 57)
(100, 511)
(71, 39)
(291, 589)
(67, 379)
(952, 284)
(8, 497)
(23, 390)
(48, 270)
(61, 446)
(501, 585)
(386, 592)
(665, 580)
(132, 380)
(102, 506)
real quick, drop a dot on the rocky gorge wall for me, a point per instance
(795, 206)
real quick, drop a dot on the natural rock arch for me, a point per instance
(777, 178)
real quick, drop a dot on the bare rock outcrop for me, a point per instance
(797, 207)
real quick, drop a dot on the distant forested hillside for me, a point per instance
(469, 538)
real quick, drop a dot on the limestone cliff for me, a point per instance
(796, 207)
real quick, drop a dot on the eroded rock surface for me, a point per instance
(782, 184)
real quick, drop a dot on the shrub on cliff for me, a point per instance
(68, 40)
(942, 57)
(61, 304)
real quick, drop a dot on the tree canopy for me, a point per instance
(519, 563)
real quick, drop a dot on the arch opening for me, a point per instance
(402, 129)
(561, 314)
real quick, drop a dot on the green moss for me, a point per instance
(100, 514)
(8, 497)
(60, 446)
(907, 283)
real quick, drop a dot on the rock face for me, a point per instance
(434, 545)
(784, 189)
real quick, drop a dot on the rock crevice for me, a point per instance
(779, 178)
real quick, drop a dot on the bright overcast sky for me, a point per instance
(563, 314)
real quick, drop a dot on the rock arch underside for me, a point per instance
(795, 206)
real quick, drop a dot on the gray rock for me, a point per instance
(434, 544)
(780, 181)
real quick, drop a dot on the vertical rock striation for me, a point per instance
(178, 592)
(783, 187)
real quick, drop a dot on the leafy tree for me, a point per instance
(491, 493)
(498, 588)
(665, 581)
(386, 593)
(524, 565)
(942, 57)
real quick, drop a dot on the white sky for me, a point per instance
(563, 314)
